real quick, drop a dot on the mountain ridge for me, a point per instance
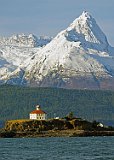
(78, 57)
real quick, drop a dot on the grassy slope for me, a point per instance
(17, 102)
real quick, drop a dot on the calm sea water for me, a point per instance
(75, 148)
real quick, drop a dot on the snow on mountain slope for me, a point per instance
(86, 26)
(16, 49)
(81, 50)
(22, 40)
(78, 57)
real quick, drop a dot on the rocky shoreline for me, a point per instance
(63, 133)
(53, 128)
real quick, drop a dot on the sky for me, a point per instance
(49, 17)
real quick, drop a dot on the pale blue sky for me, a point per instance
(48, 17)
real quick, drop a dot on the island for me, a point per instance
(56, 127)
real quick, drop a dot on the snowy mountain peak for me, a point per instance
(78, 57)
(22, 40)
(86, 15)
(86, 28)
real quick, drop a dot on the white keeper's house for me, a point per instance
(38, 114)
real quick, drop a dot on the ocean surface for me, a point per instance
(75, 148)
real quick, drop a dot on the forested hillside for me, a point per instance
(17, 102)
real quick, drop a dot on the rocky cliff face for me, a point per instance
(35, 125)
(46, 125)
(54, 128)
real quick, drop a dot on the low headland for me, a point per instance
(54, 128)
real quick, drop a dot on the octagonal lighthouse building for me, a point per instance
(38, 114)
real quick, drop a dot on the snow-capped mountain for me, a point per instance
(22, 40)
(15, 50)
(78, 57)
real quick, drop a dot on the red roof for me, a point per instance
(38, 112)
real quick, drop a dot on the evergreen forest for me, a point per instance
(17, 102)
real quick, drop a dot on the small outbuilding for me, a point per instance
(100, 125)
(38, 114)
